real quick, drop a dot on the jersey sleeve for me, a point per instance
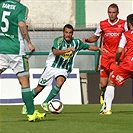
(57, 42)
(98, 30)
(125, 26)
(123, 41)
(83, 46)
(22, 16)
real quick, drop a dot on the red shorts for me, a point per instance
(120, 75)
(107, 65)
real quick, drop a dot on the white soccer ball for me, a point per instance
(56, 106)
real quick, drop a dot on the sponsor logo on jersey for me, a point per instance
(112, 34)
(67, 55)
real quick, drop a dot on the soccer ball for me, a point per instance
(56, 106)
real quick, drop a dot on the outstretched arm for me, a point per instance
(95, 48)
(92, 39)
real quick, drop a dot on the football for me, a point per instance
(56, 106)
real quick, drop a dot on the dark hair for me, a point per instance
(69, 26)
(130, 19)
(113, 5)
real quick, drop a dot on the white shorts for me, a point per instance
(49, 74)
(18, 63)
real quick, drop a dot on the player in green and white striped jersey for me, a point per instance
(60, 63)
(13, 31)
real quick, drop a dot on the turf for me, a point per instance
(73, 119)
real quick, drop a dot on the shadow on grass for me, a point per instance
(124, 112)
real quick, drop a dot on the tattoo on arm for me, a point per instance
(25, 34)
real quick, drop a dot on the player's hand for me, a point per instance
(31, 47)
(70, 49)
(103, 50)
(84, 40)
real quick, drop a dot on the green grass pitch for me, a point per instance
(73, 119)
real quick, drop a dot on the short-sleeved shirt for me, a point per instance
(11, 13)
(125, 69)
(66, 60)
(111, 35)
(127, 43)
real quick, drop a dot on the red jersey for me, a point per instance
(111, 35)
(127, 42)
(125, 69)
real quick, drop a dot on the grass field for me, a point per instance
(73, 119)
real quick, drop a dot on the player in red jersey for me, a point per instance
(125, 69)
(110, 30)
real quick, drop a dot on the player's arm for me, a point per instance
(95, 37)
(95, 48)
(57, 51)
(92, 39)
(61, 52)
(118, 54)
(122, 44)
(85, 46)
(24, 31)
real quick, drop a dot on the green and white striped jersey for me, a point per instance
(65, 61)
(11, 40)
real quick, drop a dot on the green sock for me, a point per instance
(28, 99)
(52, 93)
(103, 91)
(34, 93)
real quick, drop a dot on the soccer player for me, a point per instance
(110, 29)
(13, 31)
(125, 69)
(59, 63)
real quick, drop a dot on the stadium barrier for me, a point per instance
(10, 89)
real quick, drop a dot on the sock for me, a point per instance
(102, 92)
(103, 89)
(109, 96)
(34, 93)
(52, 94)
(28, 99)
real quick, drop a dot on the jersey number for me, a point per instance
(5, 20)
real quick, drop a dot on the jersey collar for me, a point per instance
(114, 22)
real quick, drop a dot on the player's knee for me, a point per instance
(103, 85)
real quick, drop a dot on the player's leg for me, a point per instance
(118, 77)
(109, 96)
(26, 93)
(103, 84)
(104, 74)
(111, 67)
(34, 92)
(54, 91)
(45, 79)
(21, 70)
